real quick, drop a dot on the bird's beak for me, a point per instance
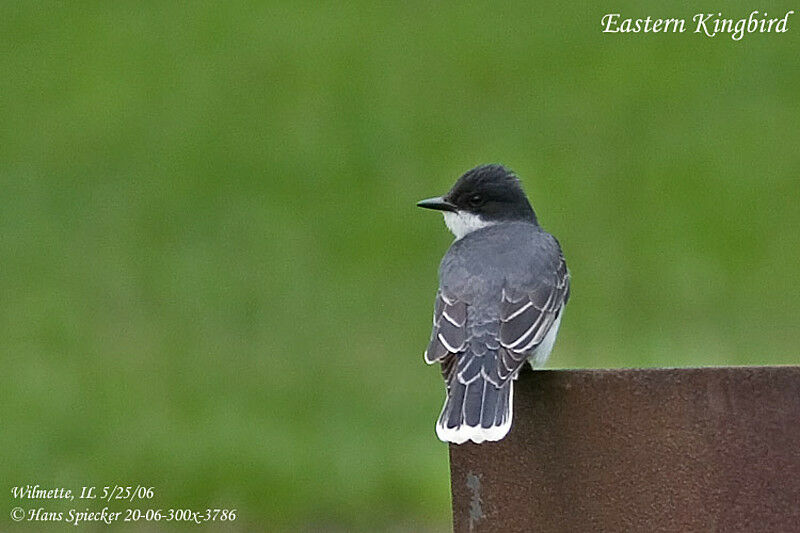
(439, 203)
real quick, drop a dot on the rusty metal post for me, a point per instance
(684, 450)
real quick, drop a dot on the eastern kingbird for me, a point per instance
(503, 285)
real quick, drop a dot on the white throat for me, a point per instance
(461, 223)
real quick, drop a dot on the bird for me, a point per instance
(503, 286)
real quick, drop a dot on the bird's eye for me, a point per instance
(475, 200)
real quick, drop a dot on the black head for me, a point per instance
(492, 192)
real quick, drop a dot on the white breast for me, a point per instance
(461, 223)
(539, 356)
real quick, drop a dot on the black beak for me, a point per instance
(439, 203)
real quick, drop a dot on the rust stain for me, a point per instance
(475, 510)
(694, 449)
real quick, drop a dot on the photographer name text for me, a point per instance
(707, 24)
(39, 504)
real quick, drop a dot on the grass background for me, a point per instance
(214, 280)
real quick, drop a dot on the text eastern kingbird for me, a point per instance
(503, 285)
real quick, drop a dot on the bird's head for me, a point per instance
(485, 195)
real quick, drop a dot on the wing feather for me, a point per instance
(527, 314)
(449, 328)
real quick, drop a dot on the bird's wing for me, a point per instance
(526, 315)
(474, 408)
(449, 328)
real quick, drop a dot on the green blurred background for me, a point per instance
(213, 276)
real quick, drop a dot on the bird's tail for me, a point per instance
(478, 411)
